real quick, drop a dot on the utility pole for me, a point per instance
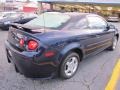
(40, 8)
(27, 0)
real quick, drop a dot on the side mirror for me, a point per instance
(110, 26)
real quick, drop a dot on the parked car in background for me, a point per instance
(6, 18)
(55, 43)
(113, 19)
(26, 17)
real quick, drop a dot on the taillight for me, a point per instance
(32, 45)
(21, 42)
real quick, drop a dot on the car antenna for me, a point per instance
(43, 17)
(44, 21)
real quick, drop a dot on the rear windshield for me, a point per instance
(51, 20)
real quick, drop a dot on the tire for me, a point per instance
(69, 65)
(114, 44)
(6, 28)
(8, 60)
(16, 69)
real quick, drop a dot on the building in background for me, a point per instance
(8, 5)
(18, 5)
(30, 7)
(102, 7)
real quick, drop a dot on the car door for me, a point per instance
(86, 36)
(101, 37)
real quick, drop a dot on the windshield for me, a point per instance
(52, 20)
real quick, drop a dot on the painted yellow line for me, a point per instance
(114, 78)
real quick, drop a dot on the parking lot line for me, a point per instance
(114, 78)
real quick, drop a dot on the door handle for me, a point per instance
(98, 36)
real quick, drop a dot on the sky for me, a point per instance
(16, 0)
(94, 1)
(25, 0)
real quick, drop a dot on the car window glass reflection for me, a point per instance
(96, 23)
(44, 20)
(79, 24)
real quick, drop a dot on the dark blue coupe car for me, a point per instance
(54, 43)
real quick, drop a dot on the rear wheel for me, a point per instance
(69, 65)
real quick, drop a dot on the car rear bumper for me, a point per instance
(26, 65)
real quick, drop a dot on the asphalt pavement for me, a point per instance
(93, 73)
(118, 85)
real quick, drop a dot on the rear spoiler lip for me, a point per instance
(27, 28)
(30, 28)
(20, 26)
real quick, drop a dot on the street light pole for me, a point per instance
(27, 0)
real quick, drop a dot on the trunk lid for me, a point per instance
(17, 32)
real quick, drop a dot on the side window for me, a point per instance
(79, 24)
(96, 22)
(7, 15)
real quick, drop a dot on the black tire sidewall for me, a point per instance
(111, 48)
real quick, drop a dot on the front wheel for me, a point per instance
(114, 44)
(16, 69)
(69, 65)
